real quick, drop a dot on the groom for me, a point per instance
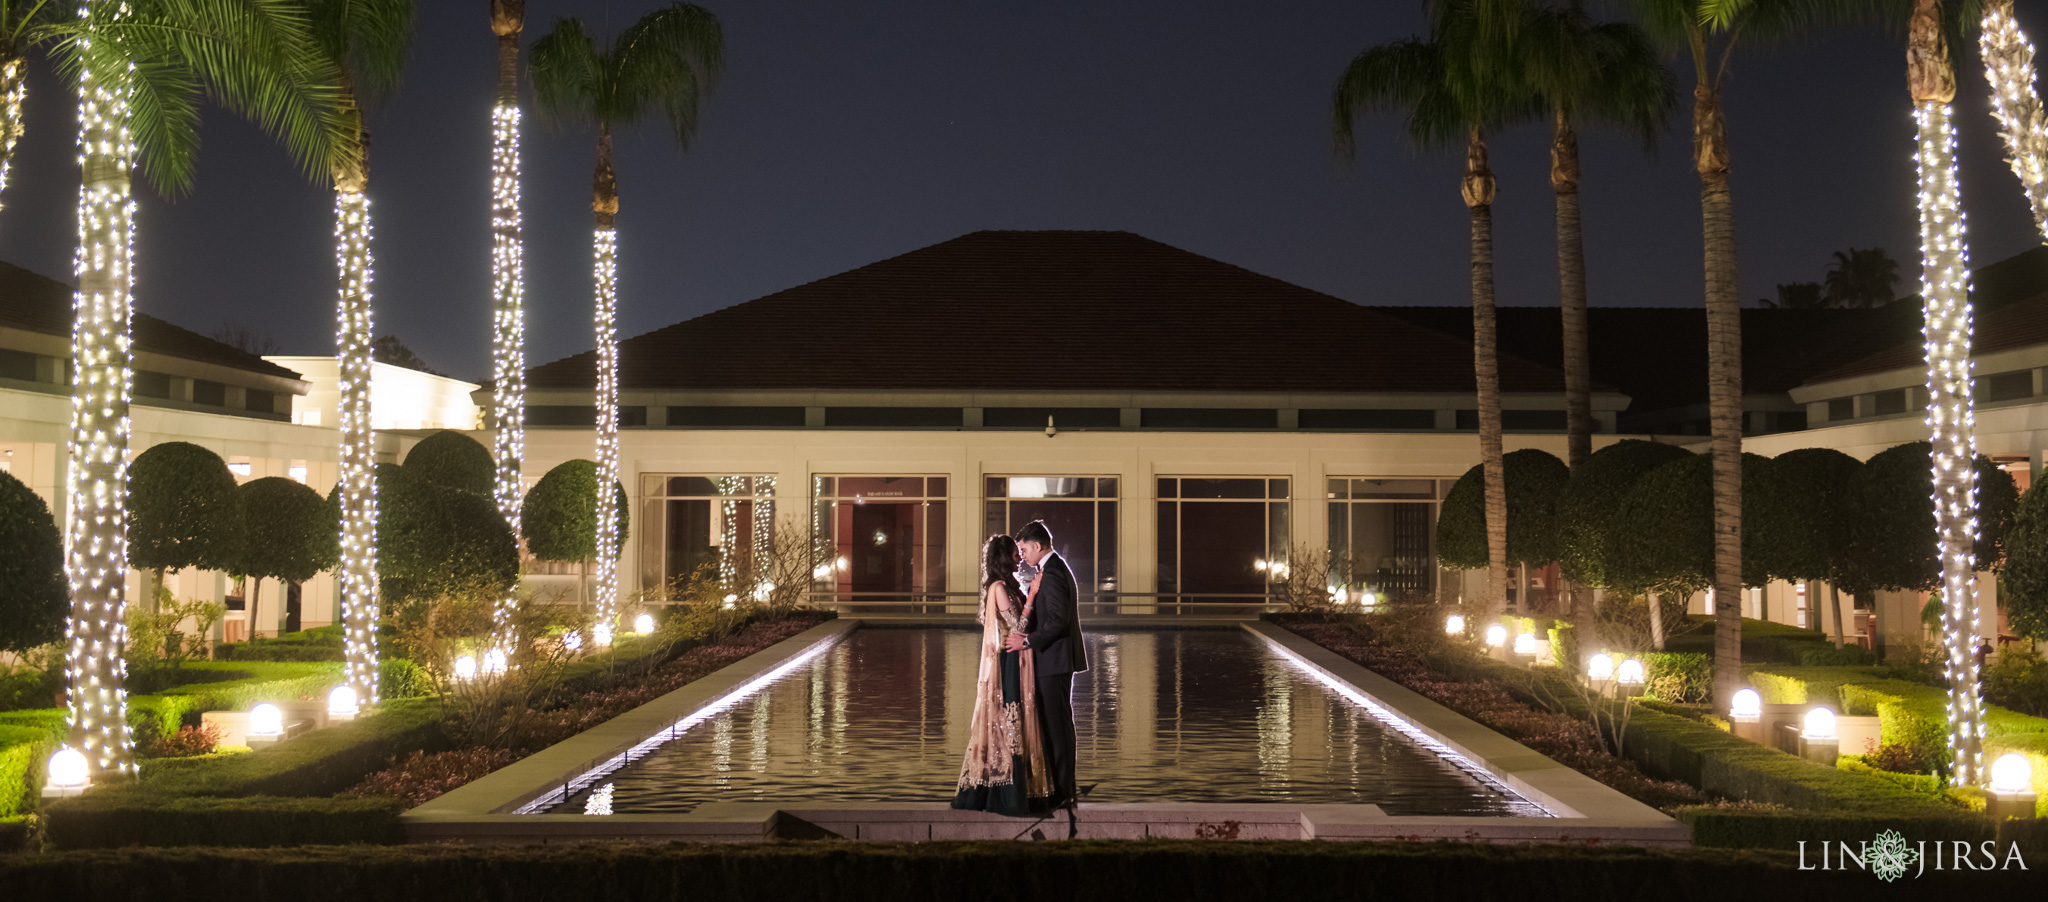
(1054, 637)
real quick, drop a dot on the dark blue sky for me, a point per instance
(844, 133)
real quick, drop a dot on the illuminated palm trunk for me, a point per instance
(508, 304)
(2009, 67)
(96, 471)
(605, 204)
(1477, 187)
(1945, 288)
(13, 90)
(358, 486)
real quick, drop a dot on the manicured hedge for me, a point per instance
(1680, 748)
(267, 681)
(23, 749)
(1763, 641)
(1085, 871)
(14, 833)
(1735, 828)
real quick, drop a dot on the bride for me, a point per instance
(1004, 771)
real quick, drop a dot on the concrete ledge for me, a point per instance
(505, 790)
(1579, 802)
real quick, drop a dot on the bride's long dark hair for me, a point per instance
(999, 563)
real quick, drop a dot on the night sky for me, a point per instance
(844, 133)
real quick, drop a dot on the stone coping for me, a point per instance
(1566, 793)
(506, 789)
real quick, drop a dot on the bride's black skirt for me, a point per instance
(1005, 798)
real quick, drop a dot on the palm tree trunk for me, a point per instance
(2009, 67)
(1835, 602)
(604, 205)
(13, 92)
(96, 470)
(1656, 620)
(255, 607)
(1477, 188)
(508, 305)
(354, 332)
(1724, 385)
(1945, 268)
(1571, 284)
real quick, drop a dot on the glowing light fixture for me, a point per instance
(1630, 672)
(493, 663)
(1746, 704)
(1526, 644)
(2011, 773)
(1455, 624)
(1600, 667)
(573, 641)
(643, 624)
(1496, 636)
(342, 702)
(1819, 724)
(69, 770)
(601, 635)
(266, 721)
(465, 668)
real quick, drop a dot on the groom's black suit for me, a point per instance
(1056, 646)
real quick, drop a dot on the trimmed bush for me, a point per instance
(1679, 677)
(101, 820)
(1662, 539)
(2023, 585)
(452, 460)
(1693, 752)
(23, 750)
(1586, 509)
(559, 516)
(435, 542)
(1800, 533)
(1890, 512)
(34, 598)
(1763, 641)
(182, 509)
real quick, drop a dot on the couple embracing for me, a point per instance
(1020, 744)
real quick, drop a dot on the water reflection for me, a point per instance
(1164, 716)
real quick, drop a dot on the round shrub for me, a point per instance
(434, 542)
(1535, 479)
(560, 514)
(2023, 586)
(33, 595)
(182, 510)
(452, 460)
(1586, 510)
(1890, 517)
(1662, 538)
(1798, 523)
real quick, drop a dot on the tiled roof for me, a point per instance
(1658, 355)
(2016, 325)
(36, 303)
(1052, 311)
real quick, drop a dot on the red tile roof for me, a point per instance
(2016, 325)
(36, 303)
(1115, 311)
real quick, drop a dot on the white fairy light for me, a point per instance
(2009, 67)
(354, 332)
(607, 424)
(96, 474)
(508, 330)
(1945, 288)
(13, 93)
(728, 531)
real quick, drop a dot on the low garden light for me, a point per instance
(1629, 671)
(1819, 724)
(1527, 645)
(573, 641)
(342, 703)
(1818, 741)
(732, 601)
(1455, 624)
(643, 624)
(1600, 668)
(465, 668)
(2011, 791)
(1746, 715)
(266, 721)
(69, 774)
(1496, 636)
(602, 635)
(493, 663)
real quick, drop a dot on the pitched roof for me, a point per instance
(1658, 355)
(36, 303)
(2015, 325)
(1123, 313)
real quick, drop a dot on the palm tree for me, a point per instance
(1866, 277)
(1711, 31)
(1446, 103)
(2009, 66)
(1945, 293)
(367, 42)
(18, 30)
(141, 66)
(668, 59)
(508, 287)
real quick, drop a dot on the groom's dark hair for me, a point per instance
(1035, 531)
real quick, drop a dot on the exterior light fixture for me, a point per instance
(573, 641)
(1259, 565)
(1526, 644)
(1496, 636)
(1818, 741)
(1600, 668)
(266, 722)
(69, 774)
(1819, 724)
(465, 668)
(342, 703)
(2011, 791)
(1745, 715)
(643, 624)
(1455, 624)
(602, 635)
(1629, 671)
(493, 663)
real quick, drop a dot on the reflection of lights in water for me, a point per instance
(881, 538)
(600, 802)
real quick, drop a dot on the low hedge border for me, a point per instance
(1680, 748)
(1080, 871)
(1732, 828)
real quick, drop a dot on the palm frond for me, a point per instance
(670, 58)
(564, 66)
(370, 37)
(1405, 75)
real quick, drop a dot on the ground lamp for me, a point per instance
(1527, 646)
(573, 641)
(1630, 677)
(494, 662)
(602, 634)
(69, 774)
(1746, 715)
(1454, 624)
(1600, 673)
(342, 703)
(1817, 739)
(643, 624)
(465, 668)
(2011, 791)
(266, 724)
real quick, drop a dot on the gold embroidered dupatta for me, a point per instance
(1000, 732)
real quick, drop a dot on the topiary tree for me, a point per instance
(182, 510)
(1662, 537)
(2023, 583)
(1535, 479)
(560, 516)
(1801, 534)
(1890, 521)
(452, 460)
(293, 535)
(33, 594)
(1587, 509)
(435, 543)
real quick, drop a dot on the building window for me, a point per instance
(1889, 402)
(1209, 418)
(259, 401)
(710, 526)
(208, 392)
(1383, 538)
(1218, 536)
(19, 365)
(894, 417)
(1518, 420)
(1079, 510)
(1841, 409)
(740, 417)
(1367, 420)
(2008, 386)
(1062, 417)
(889, 534)
(152, 385)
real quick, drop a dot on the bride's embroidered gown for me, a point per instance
(1004, 771)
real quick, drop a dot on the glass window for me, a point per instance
(713, 525)
(1216, 537)
(889, 533)
(1079, 511)
(1383, 537)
